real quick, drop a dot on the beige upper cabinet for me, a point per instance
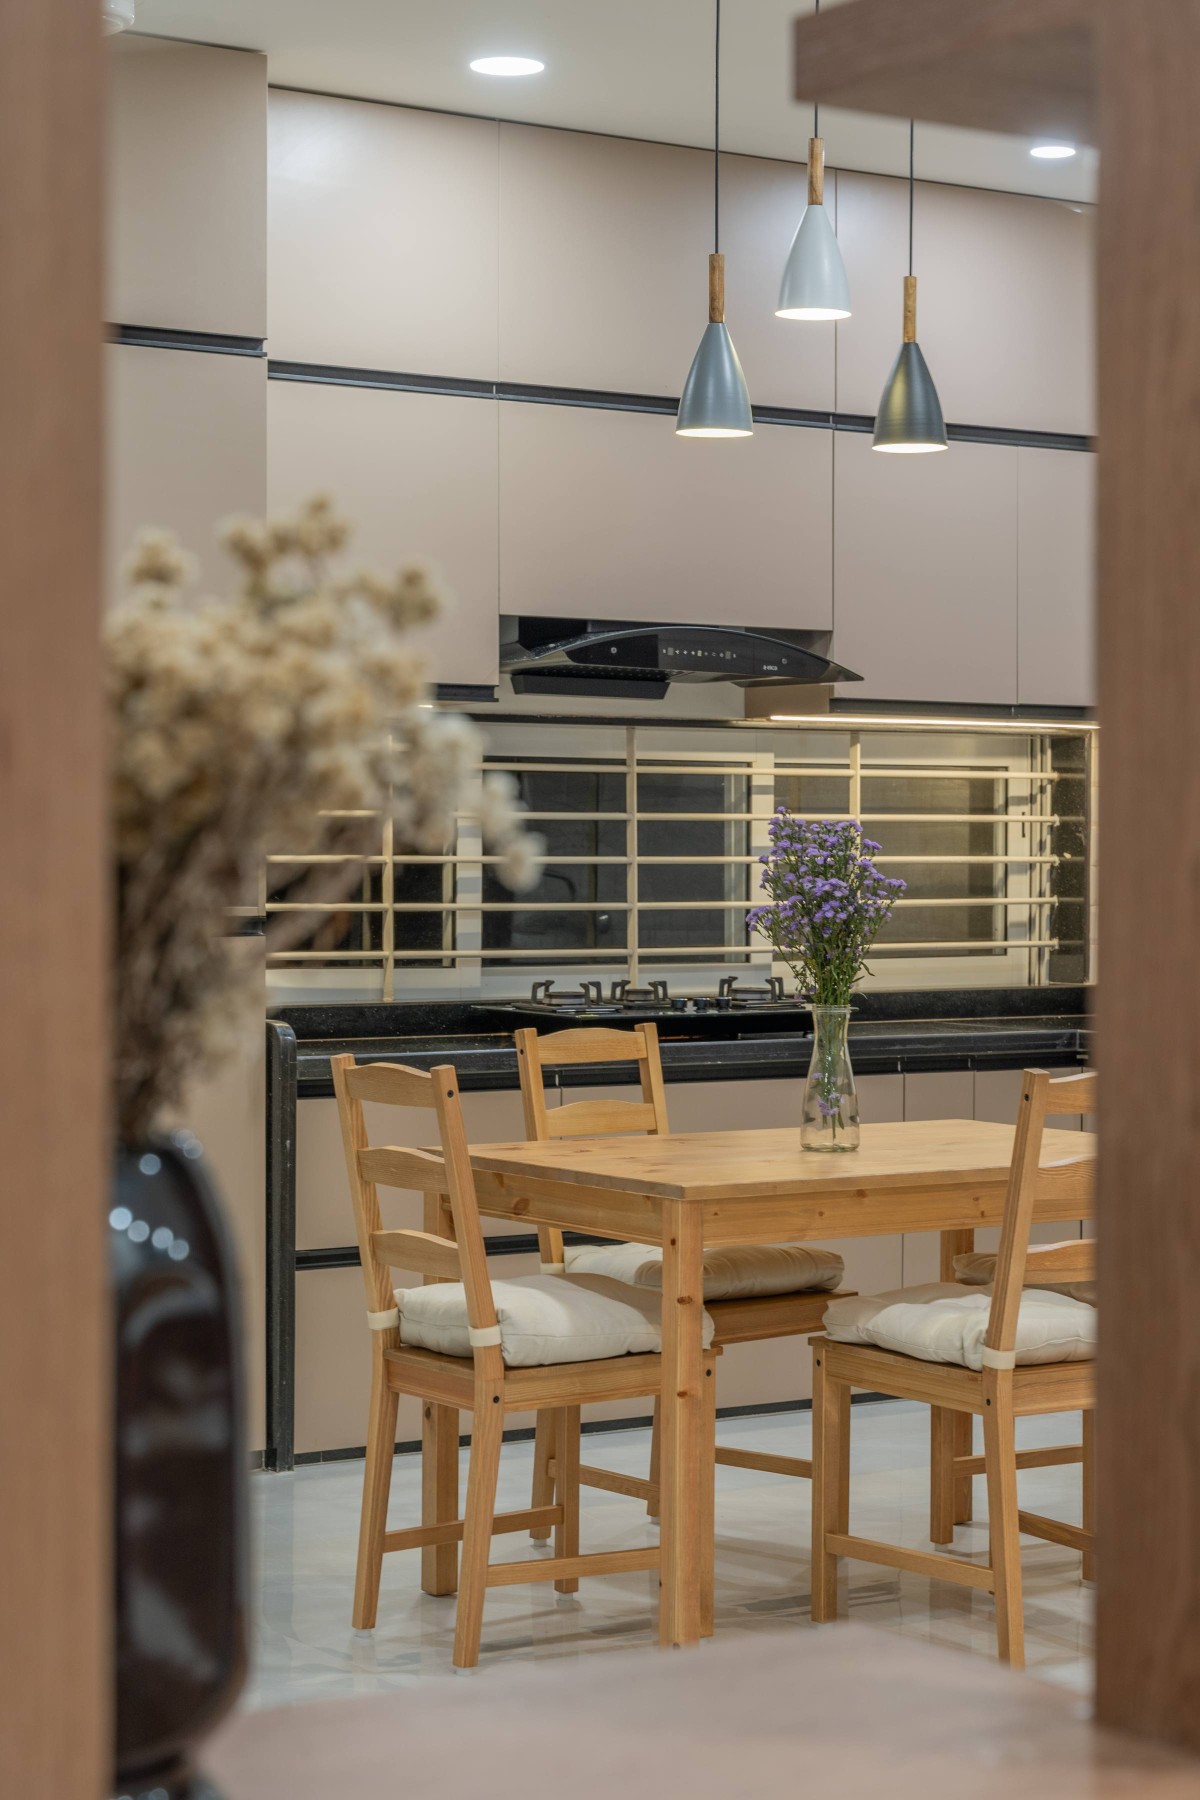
(382, 237)
(604, 246)
(1056, 577)
(416, 476)
(187, 446)
(925, 596)
(609, 515)
(1004, 309)
(187, 217)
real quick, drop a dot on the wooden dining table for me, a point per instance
(699, 1190)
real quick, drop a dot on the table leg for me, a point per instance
(951, 1499)
(686, 1528)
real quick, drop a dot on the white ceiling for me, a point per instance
(636, 68)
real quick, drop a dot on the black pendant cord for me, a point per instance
(911, 185)
(816, 106)
(717, 135)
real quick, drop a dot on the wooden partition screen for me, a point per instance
(1124, 77)
(54, 1421)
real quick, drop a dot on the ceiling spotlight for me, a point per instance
(507, 65)
(1052, 152)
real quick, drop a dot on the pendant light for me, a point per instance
(715, 403)
(814, 284)
(909, 420)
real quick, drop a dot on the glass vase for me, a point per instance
(830, 1119)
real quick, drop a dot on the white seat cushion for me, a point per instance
(977, 1268)
(738, 1272)
(945, 1322)
(543, 1319)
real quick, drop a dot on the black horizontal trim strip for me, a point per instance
(602, 400)
(160, 337)
(523, 1434)
(522, 1243)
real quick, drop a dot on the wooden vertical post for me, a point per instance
(54, 1151)
(1148, 635)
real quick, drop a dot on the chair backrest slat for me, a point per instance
(436, 1256)
(1074, 1260)
(389, 1166)
(1042, 1096)
(589, 1118)
(597, 1118)
(423, 1251)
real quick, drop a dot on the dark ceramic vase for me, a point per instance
(180, 1477)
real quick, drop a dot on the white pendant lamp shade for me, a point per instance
(715, 402)
(117, 15)
(814, 284)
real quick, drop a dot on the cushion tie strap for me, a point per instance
(999, 1359)
(552, 1268)
(483, 1337)
(384, 1321)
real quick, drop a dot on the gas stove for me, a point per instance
(736, 1006)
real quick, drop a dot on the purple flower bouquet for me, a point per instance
(826, 903)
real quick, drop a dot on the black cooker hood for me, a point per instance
(630, 659)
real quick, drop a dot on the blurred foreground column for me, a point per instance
(54, 1157)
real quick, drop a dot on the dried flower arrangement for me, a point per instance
(249, 725)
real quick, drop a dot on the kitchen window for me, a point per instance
(653, 834)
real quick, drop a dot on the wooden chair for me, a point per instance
(737, 1321)
(452, 1249)
(1001, 1391)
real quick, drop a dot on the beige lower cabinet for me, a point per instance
(332, 1361)
(416, 476)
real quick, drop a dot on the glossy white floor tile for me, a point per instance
(307, 1526)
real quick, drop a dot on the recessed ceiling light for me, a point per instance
(507, 65)
(1052, 152)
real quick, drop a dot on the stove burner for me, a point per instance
(590, 993)
(656, 994)
(730, 990)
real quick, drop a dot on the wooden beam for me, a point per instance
(1148, 639)
(54, 1149)
(1023, 66)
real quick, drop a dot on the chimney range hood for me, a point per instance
(634, 660)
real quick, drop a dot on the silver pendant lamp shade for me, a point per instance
(909, 421)
(715, 402)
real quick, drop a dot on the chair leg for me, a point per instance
(439, 1494)
(706, 1523)
(566, 1490)
(843, 1510)
(941, 1475)
(829, 1420)
(1000, 1457)
(1089, 1492)
(655, 1456)
(543, 1479)
(377, 1481)
(487, 1430)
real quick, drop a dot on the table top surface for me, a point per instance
(722, 1165)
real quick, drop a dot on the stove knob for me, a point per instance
(724, 1002)
(679, 1003)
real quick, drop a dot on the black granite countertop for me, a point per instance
(960, 1034)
